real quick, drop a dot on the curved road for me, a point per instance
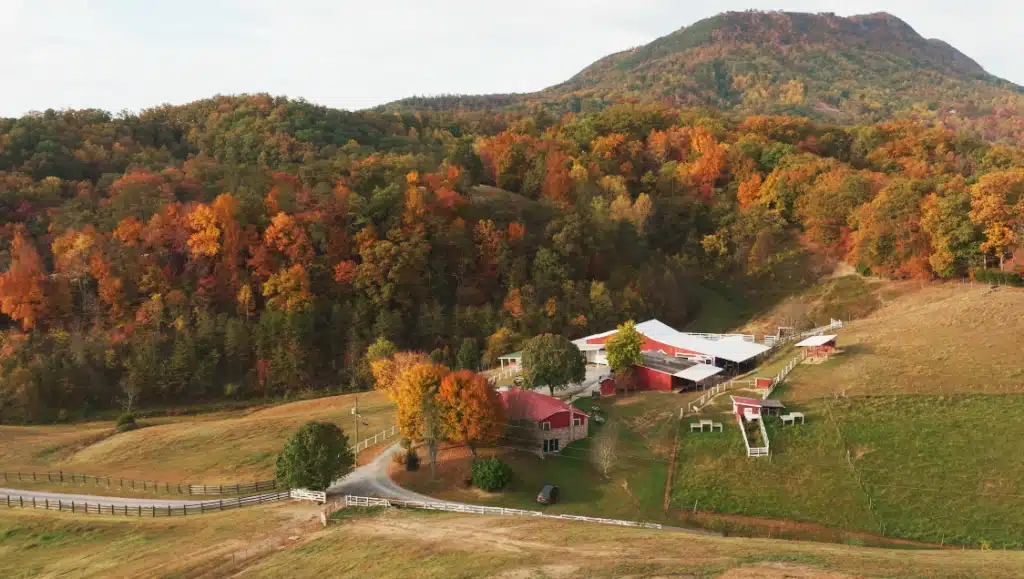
(372, 480)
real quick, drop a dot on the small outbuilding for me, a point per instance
(513, 359)
(819, 346)
(748, 408)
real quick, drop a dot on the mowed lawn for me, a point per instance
(212, 448)
(942, 339)
(929, 468)
(634, 490)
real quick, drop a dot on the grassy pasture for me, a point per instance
(281, 541)
(634, 490)
(927, 468)
(213, 448)
(943, 339)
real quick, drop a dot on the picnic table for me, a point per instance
(699, 425)
(792, 416)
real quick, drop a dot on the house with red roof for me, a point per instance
(542, 421)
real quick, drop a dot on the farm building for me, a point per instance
(749, 408)
(819, 346)
(542, 420)
(668, 373)
(513, 359)
(714, 349)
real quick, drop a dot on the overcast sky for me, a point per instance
(132, 54)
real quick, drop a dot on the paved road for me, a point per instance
(372, 480)
(105, 501)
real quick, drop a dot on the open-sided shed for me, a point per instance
(819, 345)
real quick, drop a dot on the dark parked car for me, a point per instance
(548, 495)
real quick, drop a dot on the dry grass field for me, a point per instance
(940, 339)
(283, 542)
(211, 448)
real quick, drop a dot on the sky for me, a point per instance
(352, 54)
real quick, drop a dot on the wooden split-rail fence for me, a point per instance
(359, 501)
(139, 485)
(111, 509)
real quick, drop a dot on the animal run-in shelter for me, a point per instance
(819, 346)
(748, 408)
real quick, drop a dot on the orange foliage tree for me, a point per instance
(471, 410)
(21, 286)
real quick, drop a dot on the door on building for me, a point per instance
(551, 444)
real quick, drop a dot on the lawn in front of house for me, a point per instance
(634, 490)
(929, 468)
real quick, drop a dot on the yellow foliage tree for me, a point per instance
(411, 387)
(387, 370)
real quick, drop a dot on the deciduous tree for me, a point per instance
(471, 410)
(553, 361)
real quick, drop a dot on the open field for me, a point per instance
(929, 468)
(941, 339)
(634, 490)
(219, 447)
(281, 541)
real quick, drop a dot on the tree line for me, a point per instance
(253, 246)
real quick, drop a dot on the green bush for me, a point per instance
(412, 461)
(491, 474)
(126, 422)
(994, 276)
(314, 457)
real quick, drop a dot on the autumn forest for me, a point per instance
(255, 246)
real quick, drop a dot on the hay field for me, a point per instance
(212, 448)
(282, 541)
(941, 339)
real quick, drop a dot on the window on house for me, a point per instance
(545, 426)
(577, 422)
(551, 444)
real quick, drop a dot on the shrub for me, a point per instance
(994, 276)
(314, 457)
(412, 460)
(126, 422)
(491, 474)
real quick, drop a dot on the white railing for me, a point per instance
(308, 495)
(506, 372)
(783, 373)
(357, 501)
(779, 339)
(716, 337)
(706, 398)
(373, 440)
(753, 450)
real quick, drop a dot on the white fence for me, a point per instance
(373, 440)
(754, 450)
(779, 339)
(783, 373)
(705, 398)
(506, 372)
(308, 495)
(357, 501)
(716, 337)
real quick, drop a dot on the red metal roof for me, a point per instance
(530, 405)
(745, 401)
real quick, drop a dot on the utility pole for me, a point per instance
(355, 420)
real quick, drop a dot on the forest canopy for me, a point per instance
(256, 246)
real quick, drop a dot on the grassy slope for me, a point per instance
(939, 340)
(634, 490)
(276, 542)
(221, 447)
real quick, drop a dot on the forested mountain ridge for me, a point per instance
(253, 245)
(861, 69)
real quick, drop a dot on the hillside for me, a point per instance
(283, 541)
(867, 68)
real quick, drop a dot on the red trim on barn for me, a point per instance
(650, 345)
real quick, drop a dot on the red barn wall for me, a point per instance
(561, 419)
(648, 379)
(650, 345)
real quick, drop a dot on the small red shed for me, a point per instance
(746, 406)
